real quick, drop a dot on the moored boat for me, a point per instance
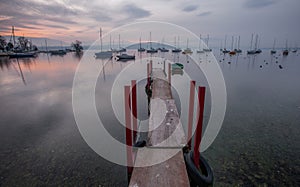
(125, 56)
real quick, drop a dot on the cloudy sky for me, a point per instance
(68, 20)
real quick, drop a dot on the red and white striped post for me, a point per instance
(191, 112)
(198, 135)
(128, 130)
(134, 108)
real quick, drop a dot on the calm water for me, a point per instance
(41, 145)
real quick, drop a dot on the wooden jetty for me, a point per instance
(166, 136)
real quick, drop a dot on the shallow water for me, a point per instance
(41, 145)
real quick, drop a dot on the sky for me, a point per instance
(69, 20)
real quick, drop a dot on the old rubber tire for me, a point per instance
(201, 178)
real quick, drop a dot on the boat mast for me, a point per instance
(239, 42)
(200, 42)
(150, 41)
(225, 46)
(251, 41)
(119, 41)
(140, 43)
(256, 40)
(274, 44)
(232, 43)
(100, 35)
(110, 41)
(207, 40)
(46, 45)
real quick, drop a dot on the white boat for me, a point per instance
(187, 50)
(103, 54)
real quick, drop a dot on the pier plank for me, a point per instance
(166, 137)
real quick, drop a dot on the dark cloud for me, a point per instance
(190, 8)
(32, 15)
(135, 12)
(204, 13)
(259, 3)
(99, 16)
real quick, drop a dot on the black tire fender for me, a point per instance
(203, 178)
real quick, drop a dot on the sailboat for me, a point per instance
(176, 49)
(232, 52)
(163, 49)
(103, 54)
(225, 50)
(273, 51)
(151, 50)
(208, 49)
(238, 50)
(257, 42)
(200, 46)
(121, 49)
(286, 51)
(187, 50)
(251, 51)
(141, 49)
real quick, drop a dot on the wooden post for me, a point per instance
(191, 112)
(198, 135)
(151, 66)
(148, 74)
(169, 73)
(134, 109)
(128, 130)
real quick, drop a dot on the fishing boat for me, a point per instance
(22, 54)
(103, 54)
(125, 57)
(187, 50)
(200, 46)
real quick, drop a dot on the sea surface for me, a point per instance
(41, 145)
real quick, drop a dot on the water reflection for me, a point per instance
(41, 144)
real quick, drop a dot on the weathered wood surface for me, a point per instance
(171, 173)
(165, 128)
(160, 86)
(166, 137)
